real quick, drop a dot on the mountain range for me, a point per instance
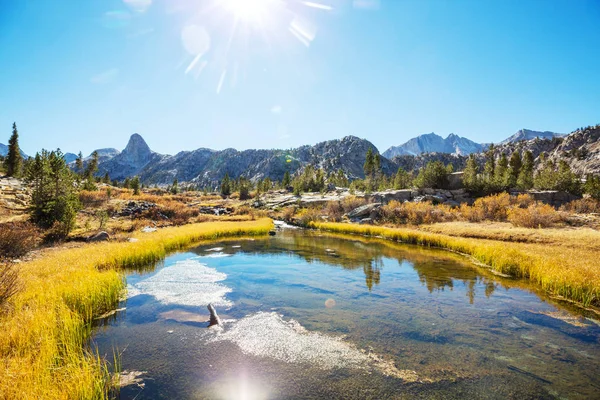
(454, 144)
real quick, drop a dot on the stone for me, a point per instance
(366, 221)
(99, 237)
(363, 211)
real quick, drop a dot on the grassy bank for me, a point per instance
(566, 271)
(43, 333)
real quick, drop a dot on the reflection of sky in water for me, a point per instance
(187, 283)
(345, 323)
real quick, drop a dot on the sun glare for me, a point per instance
(250, 11)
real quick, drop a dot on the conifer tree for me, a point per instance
(369, 164)
(514, 166)
(14, 160)
(525, 179)
(226, 185)
(135, 185)
(471, 179)
(402, 180)
(286, 179)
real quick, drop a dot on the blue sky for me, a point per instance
(81, 75)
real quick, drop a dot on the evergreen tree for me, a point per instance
(126, 183)
(226, 186)
(54, 200)
(525, 179)
(79, 163)
(286, 179)
(501, 173)
(175, 186)
(471, 179)
(567, 180)
(402, 180)
(135, 185)
(91, 169)
(369, 165)
(244, 186)
(433, 175)
(546, 178)
(489, 169)
(592, 186)
(106, 179)
(14, 161)
(514, 167)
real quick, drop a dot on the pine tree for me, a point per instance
(369, 164)
(489, 168)
(54, 200)
(471, 179)
(135, 185)
(226, 185)
(525, 179)
(514, 165)
(175, 186)
(501, 173)
(14, 161)
(91, 169)
(286, 179)
(402, 180)
(79, 164)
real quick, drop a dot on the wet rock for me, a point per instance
(99, 237)
(216, 210)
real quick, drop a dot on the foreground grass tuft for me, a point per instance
(43, 336)
(571, 273)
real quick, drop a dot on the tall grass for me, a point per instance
(570, 273)
(42, 339)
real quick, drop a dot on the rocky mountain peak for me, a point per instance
(137, 148)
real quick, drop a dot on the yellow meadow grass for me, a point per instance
(44, 332)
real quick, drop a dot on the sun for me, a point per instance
(249, 11)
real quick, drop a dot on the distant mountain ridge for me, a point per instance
(454, 144)
(4, 151)
(433, 143)
(206, 167)
(526, 134)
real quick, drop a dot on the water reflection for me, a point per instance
(306, 312)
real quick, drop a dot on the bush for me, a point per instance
(537, 215)
(415, 213)
(90, 198)
(351, 202)
(9, 283)
(17, 239)
(308, 215)
(334, 211)
(582, 206)
(493, 208)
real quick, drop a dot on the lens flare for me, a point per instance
(250, 11)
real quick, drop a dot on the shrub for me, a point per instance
(537, 215)
(17, 239)
(288, 214)
(582, 206)
(334, 211)
(9, 283)
(487, 208)
(415, 213)
(351, 202)
(90, 198)
(308, 215)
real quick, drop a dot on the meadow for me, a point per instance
(45, 327)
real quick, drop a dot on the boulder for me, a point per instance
(99, 237)
(401, 195)
(363, 211)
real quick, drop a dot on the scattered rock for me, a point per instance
(363, 211)
(134, 208)
(99, 237)
(148, 229)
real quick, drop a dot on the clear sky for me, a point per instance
(81, 75)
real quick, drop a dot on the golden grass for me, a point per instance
(569, 272)
(43, 336)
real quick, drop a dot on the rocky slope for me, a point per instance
(207, 167)
(581, 149)
(526, 134)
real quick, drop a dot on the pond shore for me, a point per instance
(566, 269)
(44, 332)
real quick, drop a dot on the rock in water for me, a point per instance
(214, 317)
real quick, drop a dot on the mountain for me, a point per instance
(4, 151)
(526, 134)
(206, 167)
(432, 143)
(70, 157)
(580, 149)
(130, 161)
(103, 154)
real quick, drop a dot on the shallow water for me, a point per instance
(317, 316)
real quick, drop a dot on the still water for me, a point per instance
(308, 315)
